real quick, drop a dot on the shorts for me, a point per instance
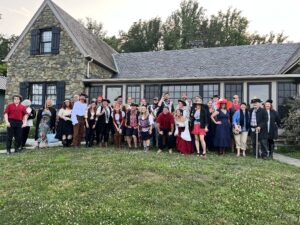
(145, 135)
(131, 132)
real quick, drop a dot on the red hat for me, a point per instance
(224, 101)
(99, 98)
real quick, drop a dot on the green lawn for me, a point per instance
(58, 186)
(289, 151)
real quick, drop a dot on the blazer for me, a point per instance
(262, 122)
(203, 117)
(274, 124)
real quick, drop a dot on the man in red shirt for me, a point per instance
(15, 117)
(165, 128)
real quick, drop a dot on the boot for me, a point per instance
(69, 141)
(64, 143)
(8, 147)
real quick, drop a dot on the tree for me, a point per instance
(184, 25)
(142, 36)
(268, 38)
(94, 27)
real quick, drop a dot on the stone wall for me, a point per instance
(69, 65)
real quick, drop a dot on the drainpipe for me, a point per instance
(88, 68)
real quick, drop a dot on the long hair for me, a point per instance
(64, 106)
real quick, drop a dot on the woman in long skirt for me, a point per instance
(44, 129)
(210, 134)
(64, 129)
(184, 146)
(221, 117)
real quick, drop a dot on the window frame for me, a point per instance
(137, 101)
(258, 83)
(44, 92)
(90, 91)
(279, 105)
(241, 97)
(43, 42)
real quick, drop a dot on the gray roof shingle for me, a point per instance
(267, 59)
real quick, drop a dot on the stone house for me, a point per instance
(57, 57)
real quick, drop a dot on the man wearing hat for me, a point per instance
(15, 117)
(77, 117)
(153, 108)
(258, 125)
(103, 121)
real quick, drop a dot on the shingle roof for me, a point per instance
(2, 83)
(88, 44)
(267, 59)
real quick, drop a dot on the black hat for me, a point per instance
(270, 101)
(244, 103)
(117, 98)
(183, 102)
(106, 100)
(255, 100)
(134, 104)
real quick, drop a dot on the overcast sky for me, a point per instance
(264, 15)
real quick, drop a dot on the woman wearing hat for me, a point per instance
(273, 124)
(241, 126)
(221, 117)
(183, 145)
(90, 124)
(199, 126)
(45, 123)
(64, 129)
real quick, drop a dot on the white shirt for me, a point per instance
(79, 109)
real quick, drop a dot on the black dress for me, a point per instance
(64, 127)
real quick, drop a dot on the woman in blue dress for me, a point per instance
(221, 117)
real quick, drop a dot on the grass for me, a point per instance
(293, 152)
(58, 186)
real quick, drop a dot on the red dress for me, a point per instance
(183, 146)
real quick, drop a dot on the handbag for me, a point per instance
(51, 138)
(185, 135)
(237, 130)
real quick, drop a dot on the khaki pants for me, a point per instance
(78, 131)
(241, 140)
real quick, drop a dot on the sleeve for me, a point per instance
(86, 114)
(61, 113)
(151, 120)
(24, 111)
(7, 109)
(123, 114)
(235, 118)
(172, 119)
(73, 115)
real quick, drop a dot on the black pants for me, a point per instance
(271, 146)
(25, 133)
(169, 140)
(14, 131)
(90, 133)
(263, 145)
(103, 131)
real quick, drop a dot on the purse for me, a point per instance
(236, 131)
(51, 138)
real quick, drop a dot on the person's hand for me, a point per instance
(87, 125)
(150, 131)
(94, 126)
(218, 122)
(7, 124)
(170, 133)
(24, 124)
(206, 129)
(161, 133)
(258, 129)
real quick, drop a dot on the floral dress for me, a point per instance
(44, 127)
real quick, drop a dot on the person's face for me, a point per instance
(209, 104)
(93, 105)
(243, 107)
(167, 96)
(180, 105)
(120, 100)
(215, 99)
(133, 108)
(17, 100)
(268, 105)
(49, 102)
(155, 101)
(105, 103)
(82, 98)
(129, 100)
(256, 105)
(165, 110)
(178, 113)
(235, 99)
(143, 109)
(76, 97)
(223, 106)
(67, 104)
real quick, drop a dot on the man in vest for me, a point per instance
(15, 117)
(103, 121)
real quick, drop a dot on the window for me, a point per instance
(234, 89)
(151, 91)
(204, 90)
(208, 91)
(285, 90)
(112, 92)
(259, 90)
(39, 92)
(46, 39)
(134, 91)
(95, 91)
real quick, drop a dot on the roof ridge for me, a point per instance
(290, 62)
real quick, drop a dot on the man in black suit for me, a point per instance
(258, 123)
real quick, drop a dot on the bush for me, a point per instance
(292, 122)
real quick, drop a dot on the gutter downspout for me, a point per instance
(88, 68)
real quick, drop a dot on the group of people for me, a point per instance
(190, 126)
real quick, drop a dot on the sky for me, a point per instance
(116, 15)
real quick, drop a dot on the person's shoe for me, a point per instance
(8, 152)
(170, 151)
(159, 151)
(244, 154)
